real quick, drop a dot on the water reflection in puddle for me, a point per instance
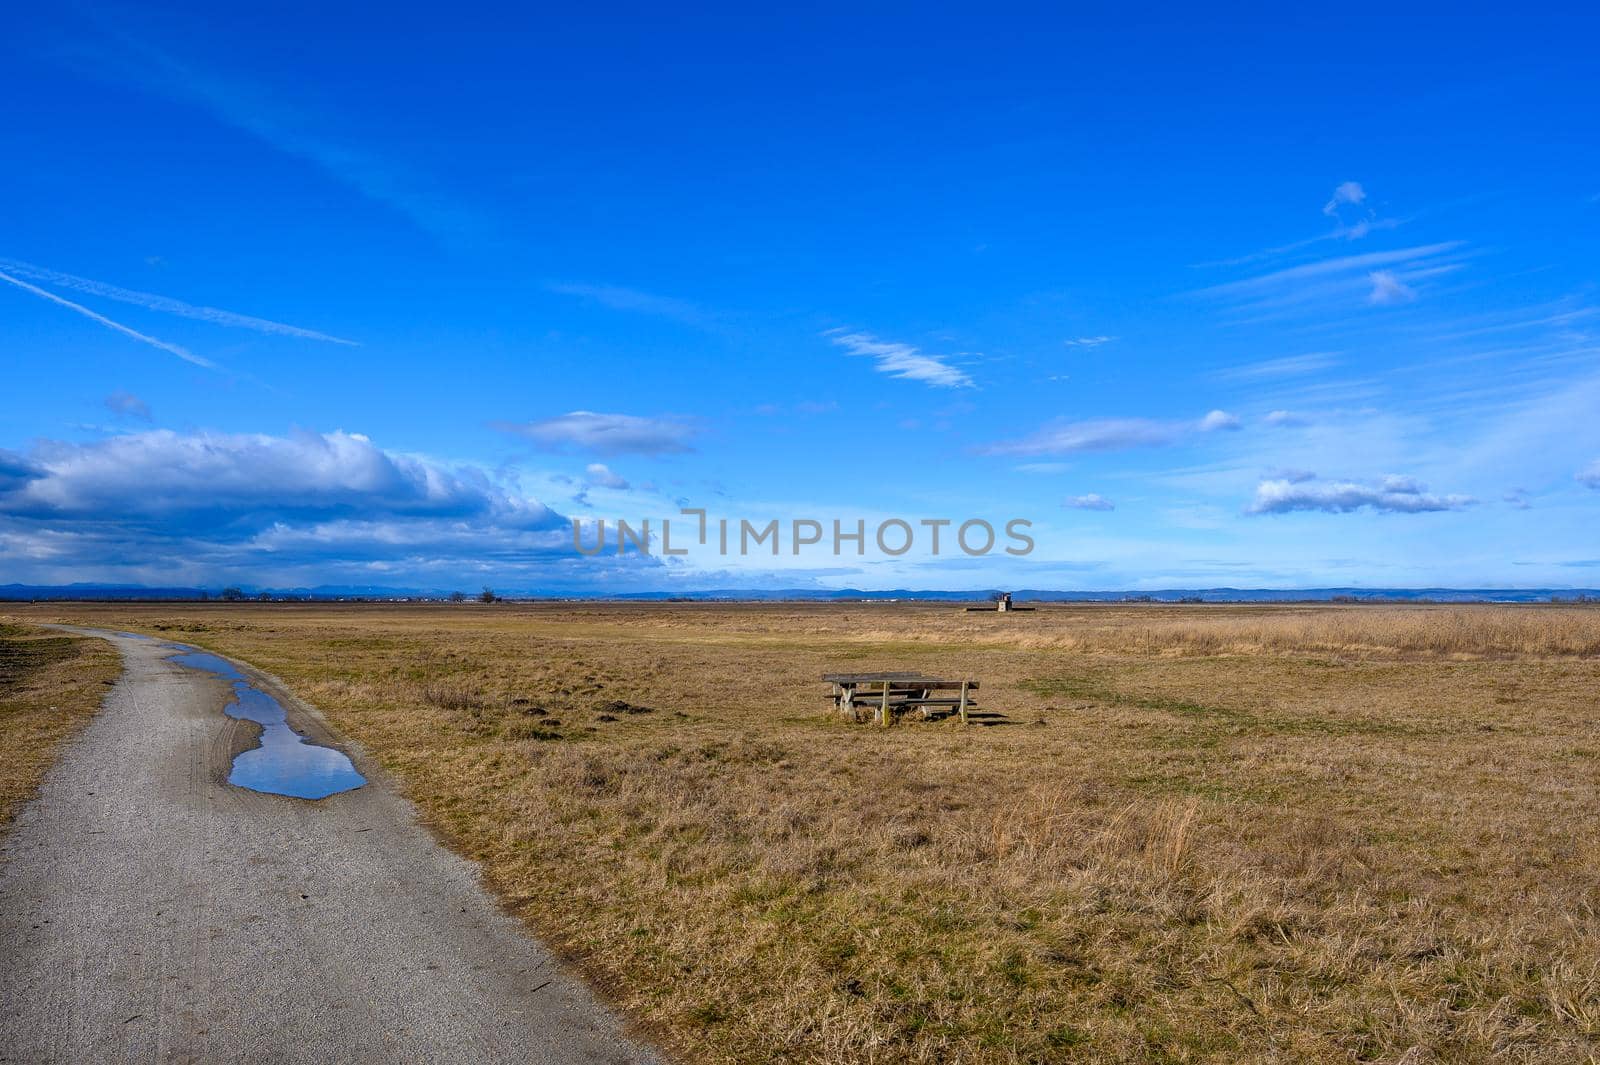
(284, 763)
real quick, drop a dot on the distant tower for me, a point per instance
(1003, 604)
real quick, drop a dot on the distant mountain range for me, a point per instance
(128, 592)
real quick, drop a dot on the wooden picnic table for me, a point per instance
(885, 693)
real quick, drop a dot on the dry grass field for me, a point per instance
(50, 685)
(1219, 834)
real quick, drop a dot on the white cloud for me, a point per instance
(160, 472)
(304, 509)
(1098, 434)
(126, 403)
(165, 305)
(599, 475)
(607, 434)
(1218, 420)
(1590, 474)
(1395, 495)
(1355, 221)
(1348, 193)
(1387, 288)
(16, 471)
(903, 360)
(1087, 342)
(1091, 501)
(1284, 419)
(183, 353)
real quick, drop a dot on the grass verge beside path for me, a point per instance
(51, 684)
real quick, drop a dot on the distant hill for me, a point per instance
(28, 592)
(89, 591)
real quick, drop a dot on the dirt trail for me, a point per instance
(151, 912)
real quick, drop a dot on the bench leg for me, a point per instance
(963, 708)
(887, 719)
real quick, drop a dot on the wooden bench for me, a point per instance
(883, 694)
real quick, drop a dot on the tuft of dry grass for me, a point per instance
(1319, 834)
(50, 685)
(454, 697)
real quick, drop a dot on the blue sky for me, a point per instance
(299, 297)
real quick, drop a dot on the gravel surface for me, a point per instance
(151, 912)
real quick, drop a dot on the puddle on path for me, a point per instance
(284, 764)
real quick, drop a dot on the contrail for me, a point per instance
(182, 353)
(150, 301)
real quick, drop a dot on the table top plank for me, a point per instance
(909, 680)
(860, 678)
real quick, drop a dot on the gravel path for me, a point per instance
(151, 912)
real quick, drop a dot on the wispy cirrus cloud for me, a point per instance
(1341, 265)
(902, 360)
(1345, 278)
(1393, 495)
(1285, 419)
(1064, 437)
(607, 434)
(265, 113)
(1589, 475)
(181, 352)
(1353, 219)
(618, 298)
(164, 304)
(1087, 342)
(1288, 366)
(1094, 434)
